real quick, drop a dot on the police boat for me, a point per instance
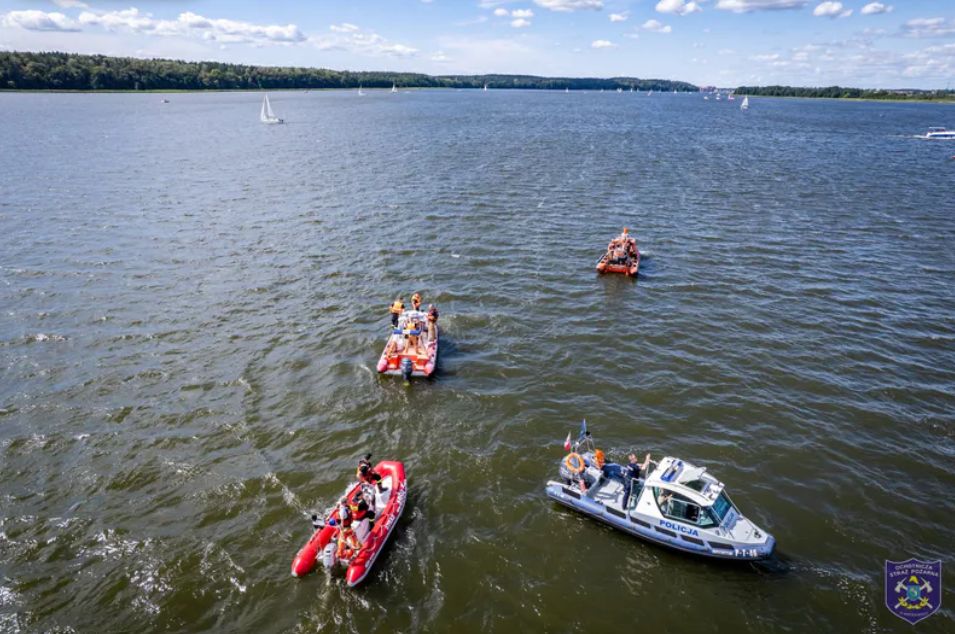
(676, 504)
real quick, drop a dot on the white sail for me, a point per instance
(745, 104)
(566, 89)
(360, 92)
(485, 87)
(394, 87)
(266, 115)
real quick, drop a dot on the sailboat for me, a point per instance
(745, 104)
(485, 87)
(631, 88)
(394, 88)
(649, 93)
(566, 89)
(361, 93)
(266, 115)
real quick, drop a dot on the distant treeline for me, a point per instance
(67, 71)
(840, 92)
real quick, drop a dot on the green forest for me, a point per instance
(840, 92)
(68, 71)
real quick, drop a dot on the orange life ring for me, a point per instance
(574, 463)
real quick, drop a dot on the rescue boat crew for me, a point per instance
(367, 475)
(432, 321)
(397, 307)
(416, 301)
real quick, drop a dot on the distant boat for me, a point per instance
(649, 93)
(745, 104)
(706, 97)
(731, 97)
(485, 87)
(394, 88)
(163, 101)
(361, 93)
(674, 91)
(266, 115)
(566, 89)
(937, 133)
(718, 96)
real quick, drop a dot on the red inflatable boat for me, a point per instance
(628, 260)
(410, 351)
(358, 556)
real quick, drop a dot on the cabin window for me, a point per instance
(678, 507)
(721, 506)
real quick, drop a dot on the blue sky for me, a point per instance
(894, 43)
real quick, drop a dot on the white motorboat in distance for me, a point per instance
(677, 504)
(939, 134)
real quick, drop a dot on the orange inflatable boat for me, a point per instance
(411, 350)
(622, 256)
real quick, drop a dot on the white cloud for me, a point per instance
(570, 5)
(363, 43)
(499, 12)
(831, 9)
(522, 13)
(439, 56)
(874, 8)
(602, 44)
(344, 27)
(679, 7)
(33, 20)
(70, 4)
(656, 26)
(520, 23)
(619, 17)
(929, 27)
(746, 6)
(191, 24)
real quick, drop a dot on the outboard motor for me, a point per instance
(406, 368)
(330, 555)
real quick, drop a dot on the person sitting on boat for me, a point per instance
(619, 255)
(397, 307)
(416, 301)
(432, 321)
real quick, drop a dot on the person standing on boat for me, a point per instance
(397, 307)
(366, 474)
(416, 301)
(432, 321)
(633, 472)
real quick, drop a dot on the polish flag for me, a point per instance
(567, 442)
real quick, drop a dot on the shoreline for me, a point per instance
(154, 91)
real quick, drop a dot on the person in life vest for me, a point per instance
(348, 543)
(416, 301)
(367, 475)
(397, 307)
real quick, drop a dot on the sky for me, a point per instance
(889, 44)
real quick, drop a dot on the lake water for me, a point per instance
(192, 305)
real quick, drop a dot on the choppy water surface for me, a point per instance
(193, 303)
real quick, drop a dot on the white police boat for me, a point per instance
(677, 504)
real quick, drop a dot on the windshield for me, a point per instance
(721, 507)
